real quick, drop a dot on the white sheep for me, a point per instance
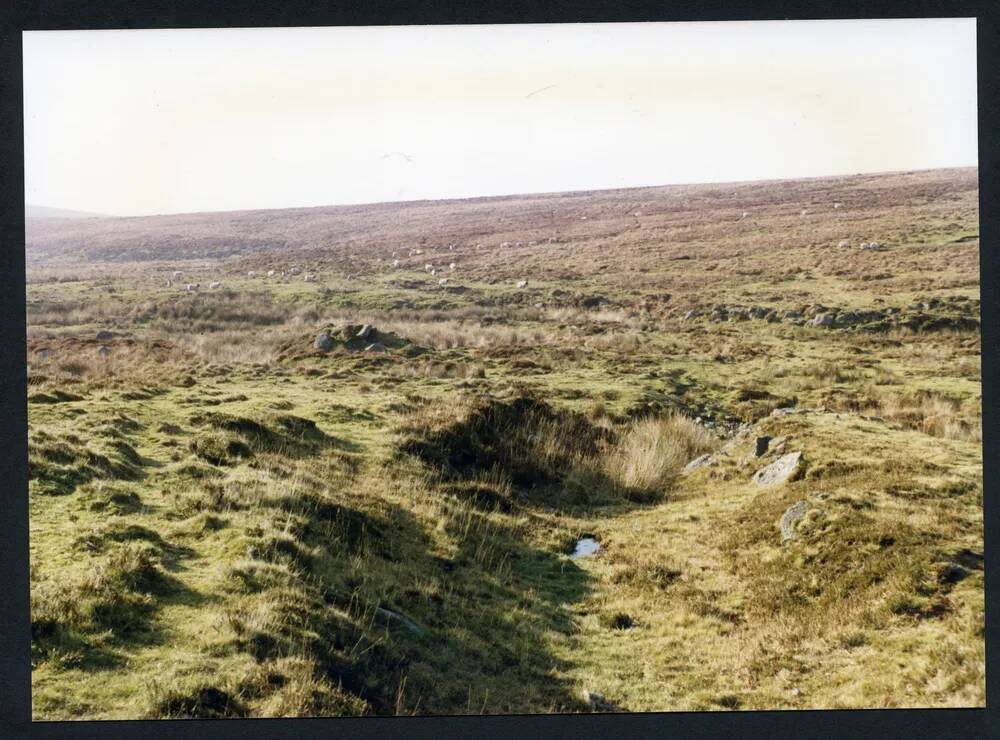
(521, 284)
(193, 287)
(215, 285)
(251, 274)
(443, 281)
(451, 266)
(270, 273)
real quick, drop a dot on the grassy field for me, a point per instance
(227, 520)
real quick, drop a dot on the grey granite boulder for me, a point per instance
(784, 468)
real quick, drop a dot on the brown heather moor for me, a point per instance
(228, 521)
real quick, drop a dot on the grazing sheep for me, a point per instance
(443, 281)
(295, 270)
(193, 287)
(270, 273)
(451, 266)
(746, 214)
(433, 273)
(521, 284)
(419, 251)
(804, 213)
(177, 273)
(504, 244)
(169, 283)
(395, 263)
(310, 278)
(215, 286)
(251, 274)
(837, 205)
(520, 243)
(843, 243)
(428, 267)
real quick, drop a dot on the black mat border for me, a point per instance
(14, 629)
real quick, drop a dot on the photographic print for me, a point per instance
(503, 369)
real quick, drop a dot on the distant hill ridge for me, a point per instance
(33, 211)
(579, 217)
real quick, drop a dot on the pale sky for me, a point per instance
(172, 121)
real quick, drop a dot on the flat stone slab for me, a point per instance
(792, 516)
(781, 470)
(698, 462)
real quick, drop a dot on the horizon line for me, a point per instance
(497, 196)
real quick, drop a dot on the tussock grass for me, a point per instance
(651, 452)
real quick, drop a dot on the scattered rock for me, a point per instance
(104, 335)
(777, 445)
(822, 319)
(103, 351)
(792, 516)
(760, 446)
(375, 347)
(785, 411)
(698, 462)
(323, 342)
(364, 331)
(784, 468)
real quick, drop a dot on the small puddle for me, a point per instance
(585, 547)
